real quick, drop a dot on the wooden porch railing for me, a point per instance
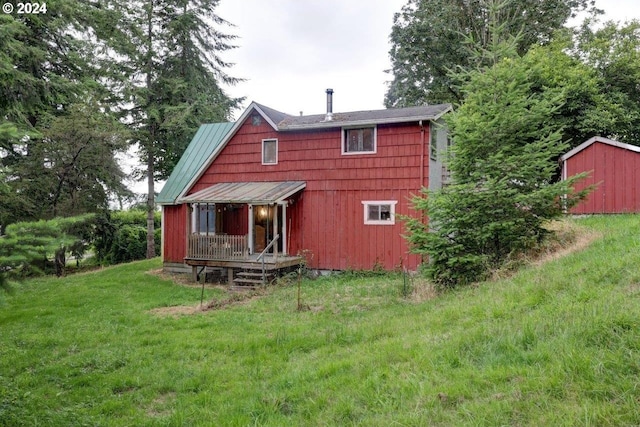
(220, 247)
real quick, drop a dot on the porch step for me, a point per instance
(249, 280)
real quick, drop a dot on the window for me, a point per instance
(358, 141)
(269, 151)
(380, 213)
(433, 146)
(204, 218)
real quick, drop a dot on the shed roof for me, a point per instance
(602, 140)
(203, 144)
(259, 193)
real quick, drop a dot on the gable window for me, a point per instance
(269, 151)
(359, 140)
(204, 218)
(380, 212)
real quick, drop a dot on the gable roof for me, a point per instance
(603, 140)
(211, 138)
(286, 122)
(206, 140)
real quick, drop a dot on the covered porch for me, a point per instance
(241, 226)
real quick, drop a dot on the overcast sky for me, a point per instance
(290, 51)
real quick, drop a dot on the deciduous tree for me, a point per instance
(431, 40)
(613, 52)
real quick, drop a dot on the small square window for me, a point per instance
(380, 212)
(360, 140)
(269, 151)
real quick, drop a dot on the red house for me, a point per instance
(614, 170)
(273, 188)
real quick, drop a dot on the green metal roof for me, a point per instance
(201, 147)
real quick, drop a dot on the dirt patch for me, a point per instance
(183, 279)
(569, 238)
(633, 289)
(233, 298)
(178, 310)
(566, 238)
(423, 290)
(161, 405)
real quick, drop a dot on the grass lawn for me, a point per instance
(554, 345)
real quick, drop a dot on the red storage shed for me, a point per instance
(614, 170)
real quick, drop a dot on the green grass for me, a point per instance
(553, 345)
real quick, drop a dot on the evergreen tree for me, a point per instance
(48, 66)
(503, 163)
(27, 247)
(171, 59)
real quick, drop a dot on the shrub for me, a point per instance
(121, 236)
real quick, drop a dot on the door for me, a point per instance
(267, 222)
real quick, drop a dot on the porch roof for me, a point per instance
(258, 193)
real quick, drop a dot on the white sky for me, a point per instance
(291, 51)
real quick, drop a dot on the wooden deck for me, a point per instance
(250, 262)
(250, 268)
(232, 253)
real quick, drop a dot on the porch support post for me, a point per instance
(230, 275)
(285, 232)
(275, 229)
(250, 228)
(194, 273)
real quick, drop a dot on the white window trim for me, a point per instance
(391, 203)
(270, 163)
(359, 153)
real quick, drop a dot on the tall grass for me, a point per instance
(557, 344)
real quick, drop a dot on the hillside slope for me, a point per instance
(556, 344)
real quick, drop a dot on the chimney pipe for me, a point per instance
(329, 105)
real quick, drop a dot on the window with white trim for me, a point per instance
(203, 219)
(359, 140)
(380, 212)
(269, 151)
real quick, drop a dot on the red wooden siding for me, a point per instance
(175, 223)
(235, 220)
(615, 171)
(327, 219)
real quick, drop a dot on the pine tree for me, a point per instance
(503, 163)
(171, 59)
(48, 72)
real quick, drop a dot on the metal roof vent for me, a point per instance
(329, 105)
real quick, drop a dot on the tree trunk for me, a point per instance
(151, 205)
